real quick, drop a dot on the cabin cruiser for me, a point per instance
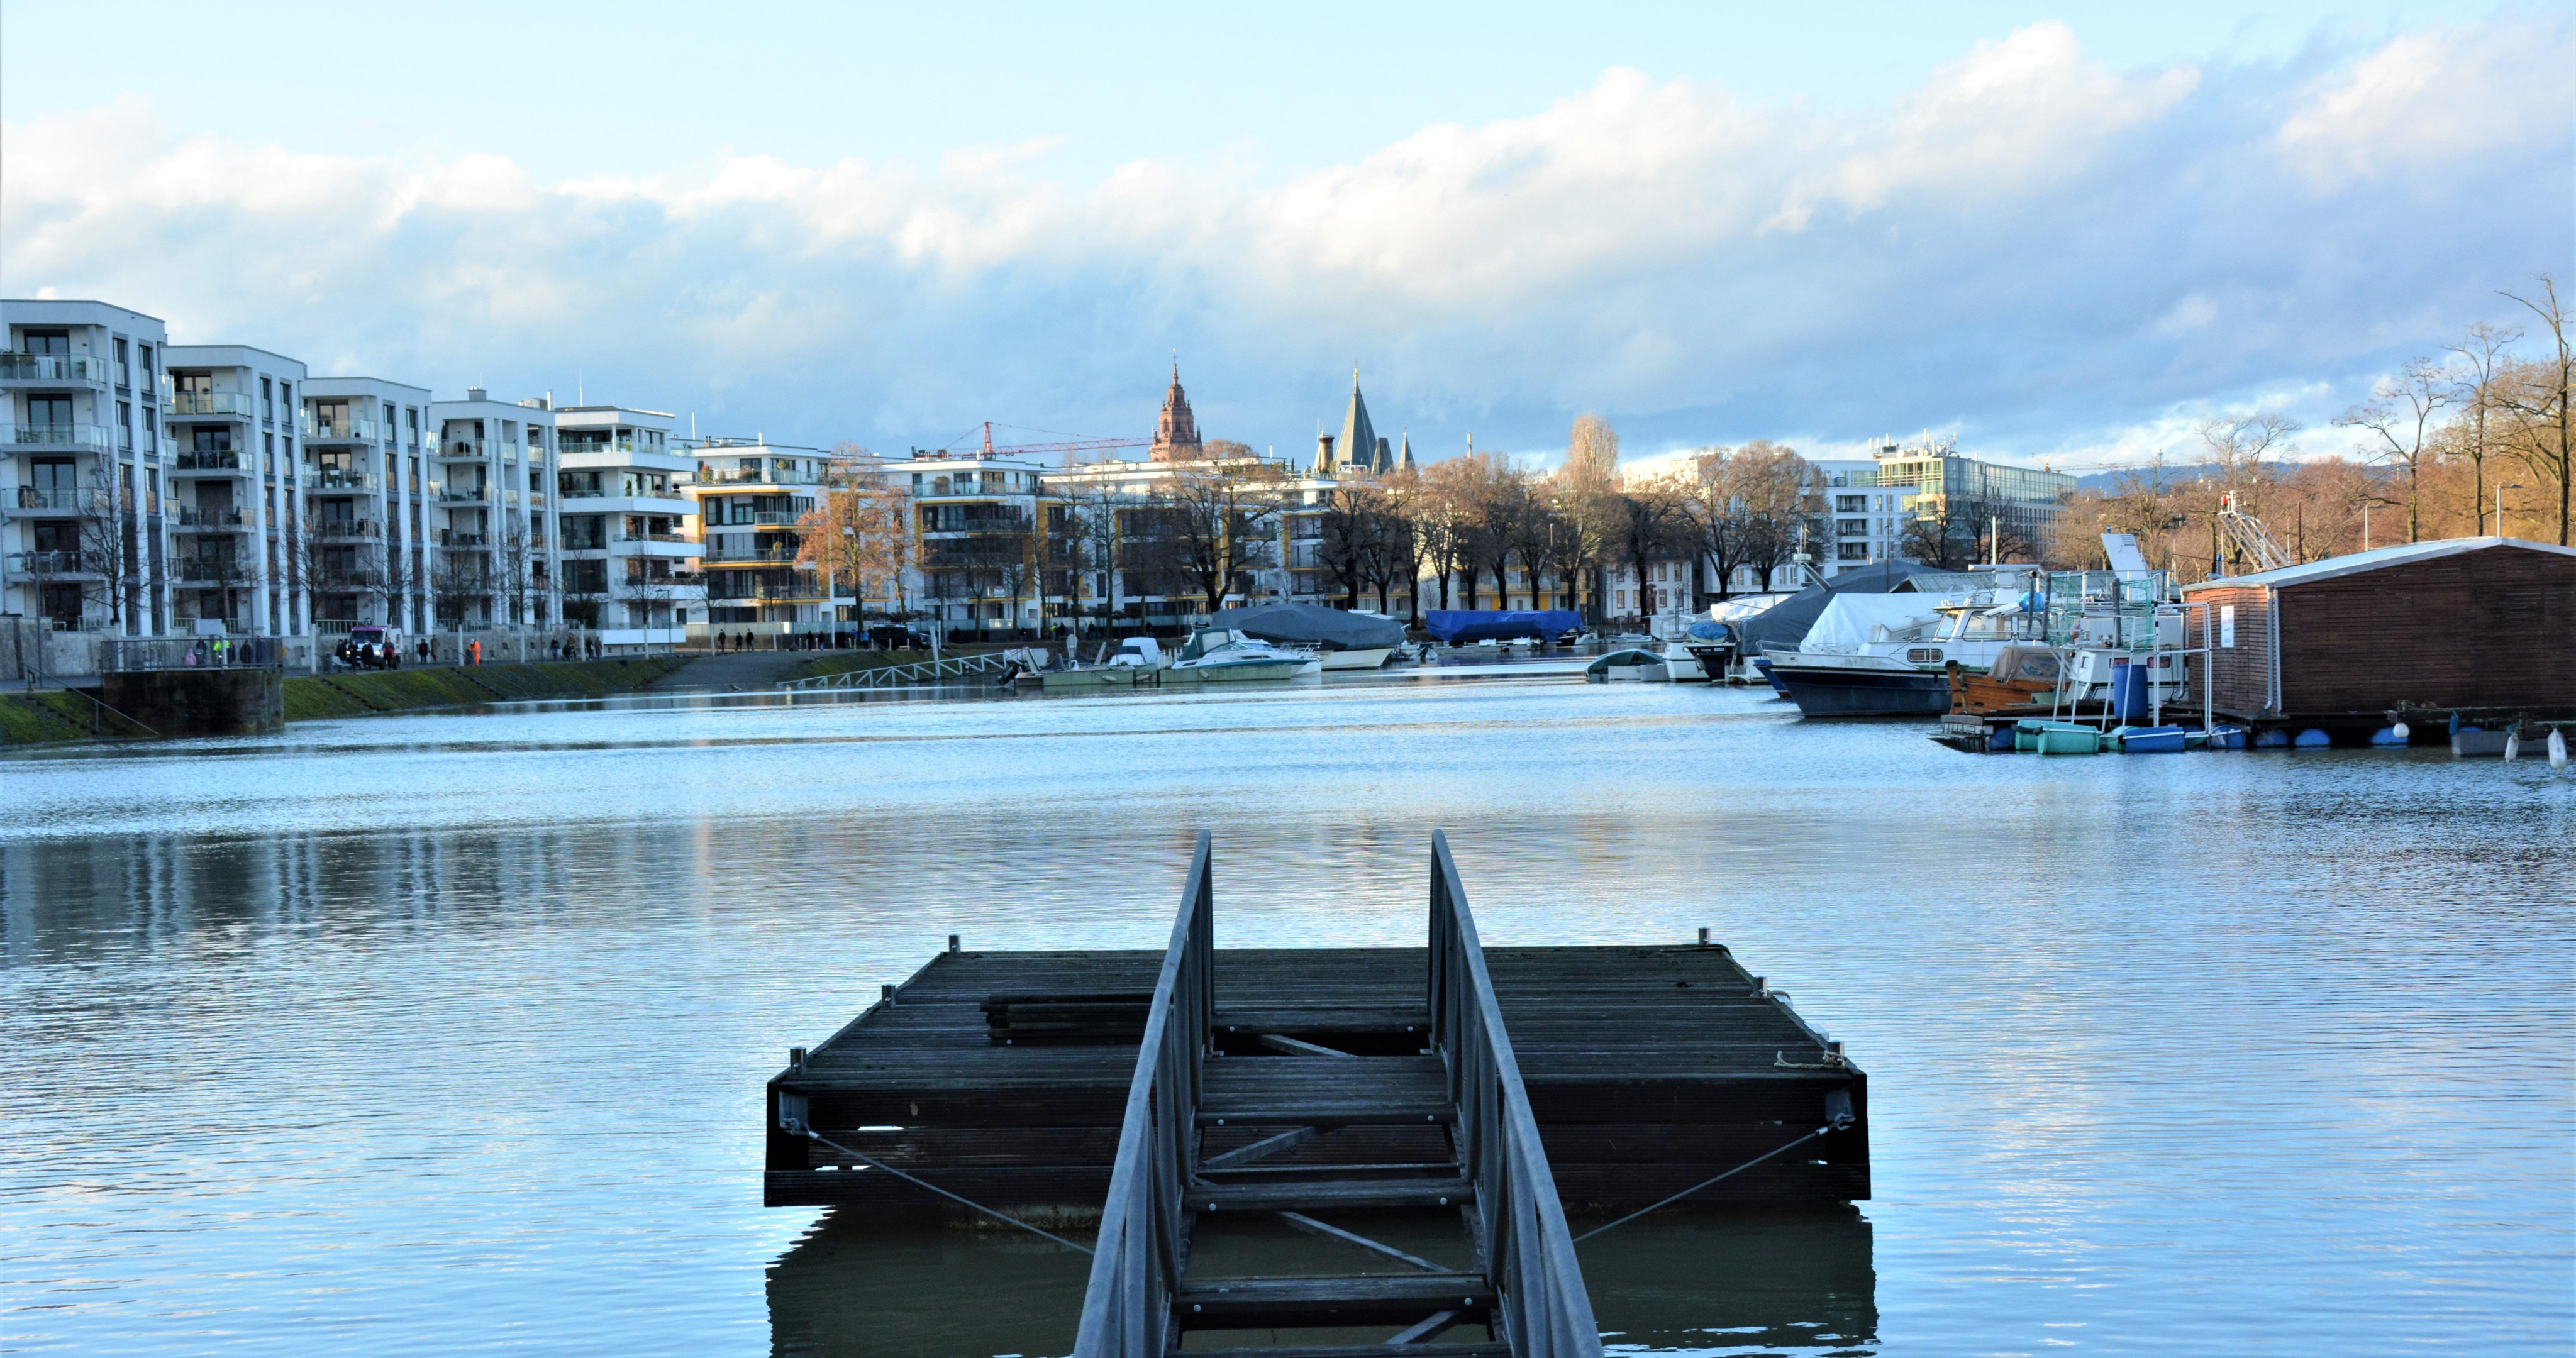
(1886, 655)
(1217, 654)
(1342, 639)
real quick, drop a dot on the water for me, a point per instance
(446, 1033)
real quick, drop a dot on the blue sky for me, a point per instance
(2062, 235)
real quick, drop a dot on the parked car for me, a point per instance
(897, 637)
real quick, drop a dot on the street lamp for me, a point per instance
(2500, 490)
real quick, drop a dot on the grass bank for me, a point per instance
(314, 697)
(42, 718)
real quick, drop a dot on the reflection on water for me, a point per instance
(434, 1033)
(1730, 1281)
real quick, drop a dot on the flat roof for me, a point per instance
(79, 301)
(2354, 563)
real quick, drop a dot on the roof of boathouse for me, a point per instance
(2377, 558)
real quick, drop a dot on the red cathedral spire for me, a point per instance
(1176, 436)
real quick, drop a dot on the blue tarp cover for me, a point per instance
(1460, 627)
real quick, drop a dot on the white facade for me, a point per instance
(494, 547)
(367, 502)
(748, 496)
(234, 489)
(1864, 521)
(83, 543)
(630, 555)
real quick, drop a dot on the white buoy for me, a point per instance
(2399, 731)
(2557, 748)
(2512, 745)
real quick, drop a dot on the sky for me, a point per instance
(2062, 236)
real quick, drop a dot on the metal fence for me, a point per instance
(1541, 1308)
(1135, 1263)
(127, 655)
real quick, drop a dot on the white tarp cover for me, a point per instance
(1743, 606)
(1848, 620)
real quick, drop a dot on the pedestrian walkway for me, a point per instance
(744, 670)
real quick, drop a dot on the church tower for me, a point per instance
(1359, 448)
(1176, 435)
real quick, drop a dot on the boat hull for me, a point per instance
(1358, 658)
(1239, 672)
(1117, 676)
(1822, 692)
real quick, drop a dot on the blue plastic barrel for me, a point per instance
(2128, 692)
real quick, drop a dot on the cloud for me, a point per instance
(2035, 250)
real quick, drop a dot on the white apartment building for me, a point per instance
(234, 489)
(82, 539)
(748, 496)
(494, 548)
(630, 552)
(367, 503)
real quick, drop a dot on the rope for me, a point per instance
(1739, 1169)
(811, 1134)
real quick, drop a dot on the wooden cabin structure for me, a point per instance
(2481, 627)
(1321, 1088)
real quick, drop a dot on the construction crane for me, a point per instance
(991, 449)
(2252, 540)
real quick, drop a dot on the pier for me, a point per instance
(1151, 1093)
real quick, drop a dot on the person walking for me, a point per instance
(474, 652)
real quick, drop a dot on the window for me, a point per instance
(1852, 551)
(125, 425)
(1851, 504)
(144, 353)
(48, 341)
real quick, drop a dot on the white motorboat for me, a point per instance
(1221, 654)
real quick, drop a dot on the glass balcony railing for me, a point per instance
(56, 435)
(333, 478)
(448, 537)
(209, 403)
(64, 499)
(190, 517)
(342, 431)
(344, 528)
(464, 495)
(460, 451)
(53, 368)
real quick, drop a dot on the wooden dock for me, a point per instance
(1151, 1089)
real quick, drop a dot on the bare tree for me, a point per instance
(1781, 498)
(2538, 397)
(1215, 525)
(2400, 414)
(108, 547)
(2481, 350)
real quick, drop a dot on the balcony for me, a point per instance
(209, 518)
(769, 557)
(460, 451)
(216, 460)
(737, 476)
(658, 537)
(344, 528)
(209, 403)
(79, 368)
(45, 563)
(771, 520)
(342, 431)
(327, 479)
(448, 537)
(86, 436)
(465, 495)
(347, 580)
(210, 571)
(50, 499)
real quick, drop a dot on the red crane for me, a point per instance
(990, 449)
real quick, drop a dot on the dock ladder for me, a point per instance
(1522, 1283)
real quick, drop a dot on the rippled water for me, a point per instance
(446, 1033)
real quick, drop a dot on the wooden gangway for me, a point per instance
(915, 672)
(1323, 1088)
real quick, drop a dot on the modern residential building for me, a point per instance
(748, 496)
(982, 561)
(493, 558)
(82, 539)
(367, 504)
(235, 511)
(630, 546)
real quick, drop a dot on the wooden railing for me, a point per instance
(1542, 1309)
(1128, 1307)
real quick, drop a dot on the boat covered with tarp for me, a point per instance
(1346, 639)
(1783, 625)
(1467, 626)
